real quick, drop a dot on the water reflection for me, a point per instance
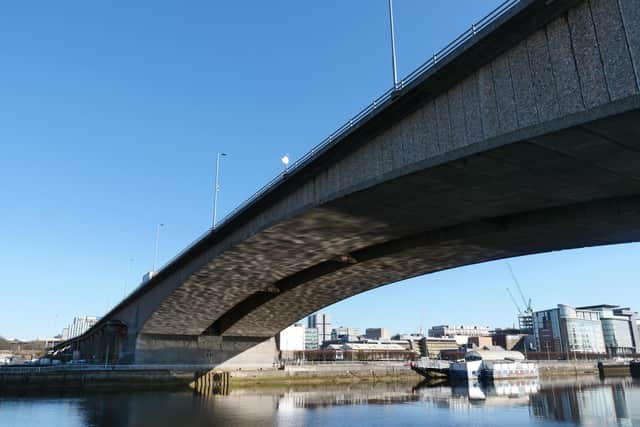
(523, 403)
(464, 395)
(590, 402)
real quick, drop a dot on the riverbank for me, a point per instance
(33, 380)
(563, 368)
(379, 372)
(336, 373)
(161, 378)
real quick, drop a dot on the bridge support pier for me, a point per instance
(223, 352)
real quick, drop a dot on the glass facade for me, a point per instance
(546, 329)
(617, 336)
(311, 339)
(321, 322)
(584, 336)
(618, 328)
(567, 329)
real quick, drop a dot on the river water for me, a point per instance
(588, 402)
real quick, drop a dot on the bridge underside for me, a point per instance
(526, 140)
(570, 189)
(574, 188)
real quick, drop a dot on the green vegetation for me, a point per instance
(4, 344)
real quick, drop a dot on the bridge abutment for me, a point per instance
(224, 352)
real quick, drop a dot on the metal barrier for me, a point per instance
(100, 367)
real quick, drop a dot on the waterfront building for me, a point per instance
(322, 322)
(79, 326)
(311, 339)
(479, 342)
(568, 329)
(449, 331)
(513, 339)
(432, 346)
(619, 328)
(370, 351)
(293, 338)
(525, 322)
(345, 333)
(412, 341)
(377, 334)
(407, 337)
(460, 333)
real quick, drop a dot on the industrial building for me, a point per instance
(432, 346)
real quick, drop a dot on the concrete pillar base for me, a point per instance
(223, 352)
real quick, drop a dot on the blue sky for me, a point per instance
(111, 114)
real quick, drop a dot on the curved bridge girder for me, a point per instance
(595, 223)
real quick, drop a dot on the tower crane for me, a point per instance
(513, 300)
(525, 317)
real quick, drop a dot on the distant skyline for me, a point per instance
(112, 116)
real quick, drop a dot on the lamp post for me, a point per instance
(285, 162)
(155, 255)
(217, 189)
(393, 46)
(126, 279)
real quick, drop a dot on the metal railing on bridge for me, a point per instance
(361, 116)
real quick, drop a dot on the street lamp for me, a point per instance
(126, 279)
(155, 256)
(393, 47)
(285, 162)
(217, 189)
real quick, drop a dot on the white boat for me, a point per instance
(493, 363)
(465, 369)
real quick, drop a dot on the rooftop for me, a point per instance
(592, 307)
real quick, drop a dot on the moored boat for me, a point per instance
(485, 364)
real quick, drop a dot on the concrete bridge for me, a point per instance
(524, 138)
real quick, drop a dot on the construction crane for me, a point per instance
(526, 303)
(525, 317)
(514, 302)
